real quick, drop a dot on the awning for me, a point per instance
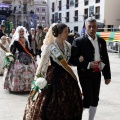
(109, 36)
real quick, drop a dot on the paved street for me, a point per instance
(12, 104)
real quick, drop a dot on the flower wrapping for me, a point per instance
(8, 59)
(41, 82)
(11, 58)
(37, 86)
(9, 54)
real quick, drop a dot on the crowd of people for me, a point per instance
(53, 85)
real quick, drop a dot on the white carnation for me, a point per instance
(11, 58)
(41, 82)
(8, 54)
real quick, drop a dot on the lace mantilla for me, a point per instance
(46, 54)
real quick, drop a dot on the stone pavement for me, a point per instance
(12, 105)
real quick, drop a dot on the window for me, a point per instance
(76, 3)
(86, 13)
(76, 15)
(43, 18)
(38, 17)
(60, 5)
(43, 10)
(97, 12)
(91, 11)
(85, 2)
(76, 28)
(67, 4)
(24, 9)
(52, 20)
(110, 27)
(53, 7)
(97, 1)
(67, 17)
(37, 9)
(56, 17)
(60, 17)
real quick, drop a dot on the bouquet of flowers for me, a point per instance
(37, 86)
(8, 59)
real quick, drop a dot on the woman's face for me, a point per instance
(4, 40)
(64, 33)
(13, 31)
(32, 32)
(21, 33)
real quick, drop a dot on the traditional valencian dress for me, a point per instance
(61, 100)
(19, 75)
(2, 57)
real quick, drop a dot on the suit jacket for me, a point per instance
(39, 39)
(83, 46)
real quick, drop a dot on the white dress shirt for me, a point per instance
(96, 47)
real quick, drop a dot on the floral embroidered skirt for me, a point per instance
(19, 76)
(60, 101)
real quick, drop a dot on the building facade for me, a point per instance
(28, 13)
(20, 12)
(74, 12)
(41, 10)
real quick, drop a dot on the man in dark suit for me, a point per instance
(89, 54)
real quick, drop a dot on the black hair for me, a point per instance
(40, 27)
(58, 29)
(2, 26)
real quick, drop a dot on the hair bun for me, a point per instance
(55, 31)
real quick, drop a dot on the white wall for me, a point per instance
(71, 10)
(112, 12)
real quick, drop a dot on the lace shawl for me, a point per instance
(46, 54)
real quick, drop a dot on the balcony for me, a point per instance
(76, 4)
(10, 1)
(75, 18)
(67, 19)
(59, 7)
(67, 6)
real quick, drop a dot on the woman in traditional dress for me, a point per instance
(4, 43)
(61, 98)
(19, 75)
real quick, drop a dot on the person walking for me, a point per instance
(4, 43)
(89, 54)
(12, 33)
(61, 98)
(19, 75)
(31, 38)
(40, 35)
